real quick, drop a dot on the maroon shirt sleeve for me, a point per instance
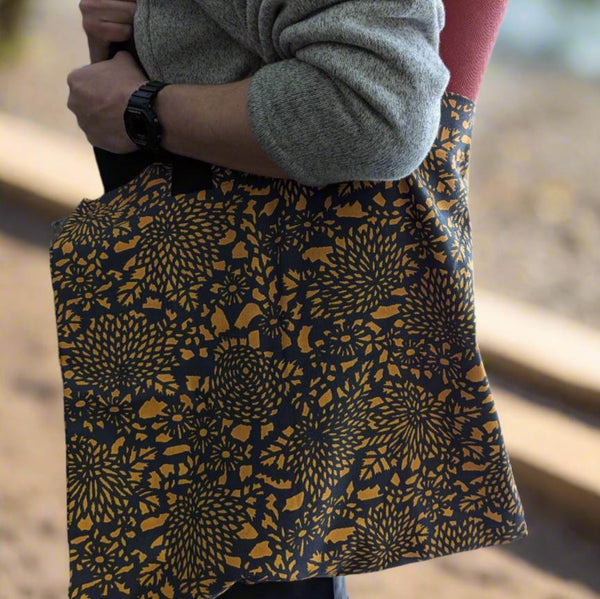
(467, 41)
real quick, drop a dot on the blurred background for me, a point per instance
(535, 212)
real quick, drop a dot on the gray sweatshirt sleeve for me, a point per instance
(351, 89)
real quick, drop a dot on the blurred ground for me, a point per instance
(534, 200)
(536, 220)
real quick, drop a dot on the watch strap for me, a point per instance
(145, 94)
(143, 99)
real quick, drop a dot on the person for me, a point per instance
(294, 97)
(339, 90)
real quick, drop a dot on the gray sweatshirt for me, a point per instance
(341, 90)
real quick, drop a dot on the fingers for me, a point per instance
(110, 32)
(108, 20)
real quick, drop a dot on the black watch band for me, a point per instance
(141, 121)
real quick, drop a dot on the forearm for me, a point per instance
(210, 123)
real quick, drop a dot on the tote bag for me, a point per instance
(268, 381)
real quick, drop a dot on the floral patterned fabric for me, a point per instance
(269, 381)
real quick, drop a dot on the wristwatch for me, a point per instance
(141, 121)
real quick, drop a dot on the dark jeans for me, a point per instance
(309, 588)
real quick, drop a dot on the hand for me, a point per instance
(106, 21)
(98, 96)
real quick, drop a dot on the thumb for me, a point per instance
(121, 54)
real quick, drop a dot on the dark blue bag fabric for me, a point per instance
(270, 382)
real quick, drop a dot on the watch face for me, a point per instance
(137, 125)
